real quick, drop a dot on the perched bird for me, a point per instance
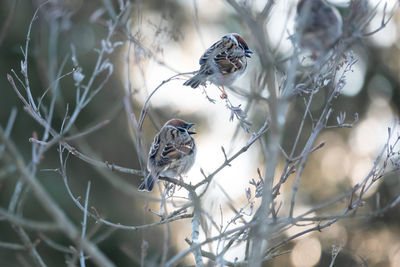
(320, 25)
(172, 152)
(222, 63)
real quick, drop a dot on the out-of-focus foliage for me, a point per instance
(169, 30)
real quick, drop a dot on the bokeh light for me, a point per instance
(306, 252)
(355, 78)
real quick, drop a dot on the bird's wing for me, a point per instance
(173, 151)
(155, 146)
(169, 154)
(220, 52)
(209, 53)
(227, 63)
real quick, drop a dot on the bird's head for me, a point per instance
(181, 125)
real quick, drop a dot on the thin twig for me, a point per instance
(84, 225)
(50, 205)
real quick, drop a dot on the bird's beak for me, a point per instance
(248, 52)
(189, 126)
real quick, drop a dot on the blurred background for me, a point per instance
(172, 36)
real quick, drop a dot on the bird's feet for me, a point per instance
(224, 95)
(180, 180)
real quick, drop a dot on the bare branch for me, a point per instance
(50, 205)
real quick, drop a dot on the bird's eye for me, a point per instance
(182, 130)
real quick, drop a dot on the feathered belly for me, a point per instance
(220, 79)
(179, 167)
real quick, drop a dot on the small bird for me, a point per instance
(320, 23)
(222, 63)
(172, 153)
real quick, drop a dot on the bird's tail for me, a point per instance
(147, 184)
(196, 80)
